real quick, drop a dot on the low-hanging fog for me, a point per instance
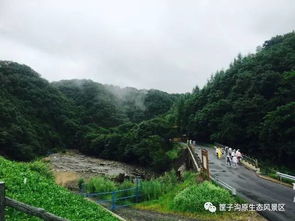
(163, 44)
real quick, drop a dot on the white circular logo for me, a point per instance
(212, 209)
(209, 206)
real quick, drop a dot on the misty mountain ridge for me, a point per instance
(250, 105)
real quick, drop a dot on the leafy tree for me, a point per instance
(35, 117)
(249, 105)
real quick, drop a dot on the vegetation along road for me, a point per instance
(253, 188)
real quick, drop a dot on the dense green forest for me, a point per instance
(109, 106)
(106, 121)
(35, 117)
(251, 105)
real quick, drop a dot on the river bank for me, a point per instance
(71, 166)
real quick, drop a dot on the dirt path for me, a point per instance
(132, 214)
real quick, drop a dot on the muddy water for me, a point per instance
(71, 166)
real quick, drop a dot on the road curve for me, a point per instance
(253, 188)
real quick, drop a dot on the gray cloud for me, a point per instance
(170, 45)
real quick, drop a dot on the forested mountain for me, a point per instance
(35, 117)
(94, 103)
(142, 105)
(122, 124)
(38, 117)
(251, 105)
(116, 105)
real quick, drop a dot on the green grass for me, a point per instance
(153, 189)
(100, 184)
(275, 176)
(127, 184)
(103, 184)
(41, 191)
(171, 186)
(169, 194)
(175, 151)
(270, 170)
(187, 197)
(165, 199)
(193, 198)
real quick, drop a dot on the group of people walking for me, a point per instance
(232, 156)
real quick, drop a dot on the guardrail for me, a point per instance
(198, 168)
(214, 179)
(251, 160)
(30, 210)
(114, 196)
(225, 185)
(286, 176)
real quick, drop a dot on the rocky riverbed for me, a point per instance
(69, 167)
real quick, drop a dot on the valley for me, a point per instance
(57, 137)
(71, 166)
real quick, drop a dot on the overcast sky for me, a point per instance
(171, 45)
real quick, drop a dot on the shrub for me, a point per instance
(100, 184)
(189, 176)
(127, 184)
(81, 183)
(41, 168)
(174, 152)
(169, 178)
(153, 189)
(192, 198)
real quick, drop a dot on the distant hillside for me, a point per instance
(38, 117)
(94, 103)
(35, 117)
(251, 105)
(143, 104)
(123, 124)
(116, 105)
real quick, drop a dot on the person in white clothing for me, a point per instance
(230, 150)
(239, 155)
(234, 159)
(228, 160)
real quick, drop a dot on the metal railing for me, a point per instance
(191, 153)
(214, 179)
(251, 160)
(286, 176)
(110, 199)
(224, 185)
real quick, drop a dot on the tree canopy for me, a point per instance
(250, 105)
(38, 117)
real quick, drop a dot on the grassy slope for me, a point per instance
(41, 191)
(192, 206)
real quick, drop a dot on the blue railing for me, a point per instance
(114, 200)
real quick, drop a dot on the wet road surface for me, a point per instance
(253, 188)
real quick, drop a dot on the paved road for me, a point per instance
(253, 188)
